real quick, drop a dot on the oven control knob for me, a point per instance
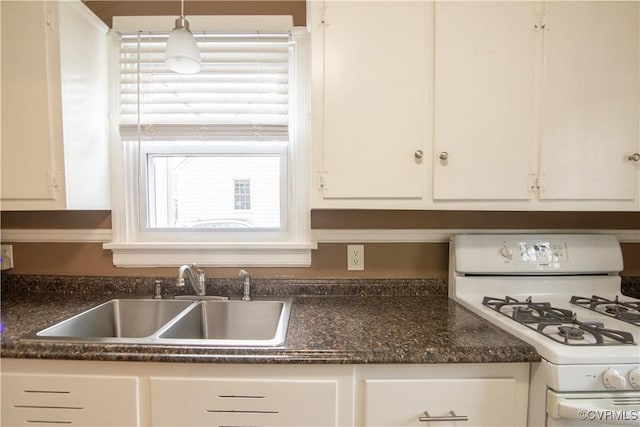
(612, 379)
(634, 377)
(506, 251)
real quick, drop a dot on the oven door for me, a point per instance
(593, 409)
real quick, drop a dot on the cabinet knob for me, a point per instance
(418, 154)
(635, 157)
(444, 155)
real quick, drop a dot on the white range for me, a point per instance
(561, 294)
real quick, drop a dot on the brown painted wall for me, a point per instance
(106, 10)
(389, 260)
(382, 260)
(405, 219)
(56, 220)
(372, 219)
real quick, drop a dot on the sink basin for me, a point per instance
(175, 322)
(118, 318)
(232, 323)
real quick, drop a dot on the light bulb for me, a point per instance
(182, 54)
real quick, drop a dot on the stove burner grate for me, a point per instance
(627, 311)
(539, 316)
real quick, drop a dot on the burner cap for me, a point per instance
(615, 309)
(522, 309)
(571, 332)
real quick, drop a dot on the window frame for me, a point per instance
(133, 246)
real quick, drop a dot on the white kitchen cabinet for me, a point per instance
(173, 394)
(77, 400)
(542, 103)
(484, 101)
(413, 402)
(371, 128)
(484, 395)
(590, 101)
(55, 151)
(159, 394)
(514, 105)
(243, 402)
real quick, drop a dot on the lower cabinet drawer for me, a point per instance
(484, 402)
(225, 402)
(55, 400)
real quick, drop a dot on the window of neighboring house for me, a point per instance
(242, 194)
(185, 137)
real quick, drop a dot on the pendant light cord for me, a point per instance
(182, 8)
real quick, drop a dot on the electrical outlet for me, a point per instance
(6, 252)
(355, 257)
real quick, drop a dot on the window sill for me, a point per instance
(212, 254)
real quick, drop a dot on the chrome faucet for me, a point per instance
(247, 285)
(195, 277)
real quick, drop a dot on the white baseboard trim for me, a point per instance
(319, 236)
(438, 236)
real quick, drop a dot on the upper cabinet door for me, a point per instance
(31, 116)
(590, 96)
(375, 114)
(55, 134)
(485, 85)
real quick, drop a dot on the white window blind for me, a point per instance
(242, 92)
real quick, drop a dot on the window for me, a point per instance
(216, 157)
(201, 190)
(242, 194)
(197, 130)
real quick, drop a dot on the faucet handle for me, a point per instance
(202, 284)
(158, 289)
(247, 285)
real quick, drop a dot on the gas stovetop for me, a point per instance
(627, 311)
(564, 325)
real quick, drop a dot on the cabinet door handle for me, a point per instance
(453, 417)
(418, 154)
(635, 157)
(444, 155)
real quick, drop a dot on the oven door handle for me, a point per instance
(603, 408)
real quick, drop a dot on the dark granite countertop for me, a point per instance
(390, 322)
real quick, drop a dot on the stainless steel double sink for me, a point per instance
(235, 323)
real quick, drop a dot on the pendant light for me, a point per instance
(181, 54)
